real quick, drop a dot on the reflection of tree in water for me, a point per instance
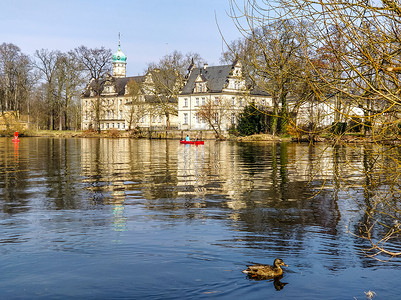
(376, 194)
(55, 163)
(13, 198)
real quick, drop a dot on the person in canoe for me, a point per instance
(187, 138)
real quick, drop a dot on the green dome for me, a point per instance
(119, 56)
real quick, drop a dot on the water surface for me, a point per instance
(129, 219)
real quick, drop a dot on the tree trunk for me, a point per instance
(284, 114)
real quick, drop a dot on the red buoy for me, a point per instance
(16, 139)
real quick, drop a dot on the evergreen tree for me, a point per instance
(251, 121)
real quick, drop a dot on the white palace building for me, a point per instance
(222, 87)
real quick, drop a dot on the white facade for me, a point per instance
(322, 113)
(223, 89)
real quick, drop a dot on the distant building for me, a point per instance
(120, 110)
(221, 88)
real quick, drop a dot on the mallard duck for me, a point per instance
(260, 270)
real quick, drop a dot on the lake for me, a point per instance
(133, 219)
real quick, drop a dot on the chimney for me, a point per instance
(205, 66)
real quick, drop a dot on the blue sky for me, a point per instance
(149, 28)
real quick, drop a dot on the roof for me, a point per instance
(216, 78)
(119, 56)
(119, 84)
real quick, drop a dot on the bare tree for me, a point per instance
(70, 81)
(168, 76)
(46, 62)
(96, 63)
(15, 79)
(353, 51)
(136, 108)
(215, 113)
(271, 52)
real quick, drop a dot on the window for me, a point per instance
(216, 100)
(233, 118)
(118, 125)
(203, 101)
(185, 118)
(233, 100)
(216, 118)
(121, 114)
(240, 102)
(197, 118)
(197, 102)
(201, 87)
(160, 118)
(185, 102)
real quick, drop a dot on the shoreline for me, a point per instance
(169, 135)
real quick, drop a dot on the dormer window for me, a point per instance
(200, 84)
(201, 87)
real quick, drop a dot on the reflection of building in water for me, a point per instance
(117, 170)
(165, 175)
(282, 177)
(191, 173)
(104, 165)
(213, 169)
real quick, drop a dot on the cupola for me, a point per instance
(119, 62)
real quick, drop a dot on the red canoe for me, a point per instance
(193, 142)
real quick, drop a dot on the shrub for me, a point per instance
(113, 133)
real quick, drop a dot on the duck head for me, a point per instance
(279, 262)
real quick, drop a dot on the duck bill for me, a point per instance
(285, 265)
